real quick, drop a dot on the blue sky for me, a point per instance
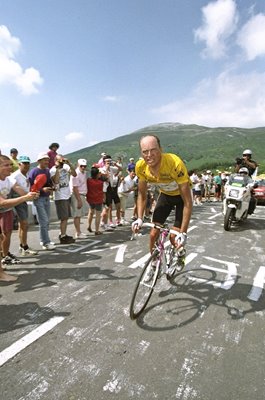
(80, 72)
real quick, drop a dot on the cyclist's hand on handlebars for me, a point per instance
(136, 225)
(180, 239)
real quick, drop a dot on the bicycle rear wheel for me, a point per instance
(144, 289)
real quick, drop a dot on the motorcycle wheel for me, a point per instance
(229, 216)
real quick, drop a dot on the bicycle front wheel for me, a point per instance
(144, 286)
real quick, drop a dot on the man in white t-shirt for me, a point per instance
(60, 175)
(78, 185)
(6, 213)
(21, 176)
(111, 171)
(127, 186)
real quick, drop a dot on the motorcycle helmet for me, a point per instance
(243, 170)
(247, 152)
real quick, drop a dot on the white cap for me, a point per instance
(243, 170)
(247, 152)
(103, 154)
(208, 171)
(42, 155)
(82, 161)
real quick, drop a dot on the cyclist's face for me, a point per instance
(151, 151)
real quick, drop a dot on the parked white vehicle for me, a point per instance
(237, 195)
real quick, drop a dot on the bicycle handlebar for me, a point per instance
(160, 227)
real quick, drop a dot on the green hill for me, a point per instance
(201, 147)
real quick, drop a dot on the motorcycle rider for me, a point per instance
(251, 165)
(246, 162)
(253, 201)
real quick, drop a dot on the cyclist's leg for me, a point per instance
(179, 205)
(181, 253)
(160, 214)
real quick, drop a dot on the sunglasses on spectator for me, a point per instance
(82, 166)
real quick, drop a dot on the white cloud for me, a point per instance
(228, 100)
(252, 37)
(111, 99)
(219, 23)
(74, 136)
(26, 81)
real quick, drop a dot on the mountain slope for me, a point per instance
(201, 147)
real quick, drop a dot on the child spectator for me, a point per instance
(95, 199)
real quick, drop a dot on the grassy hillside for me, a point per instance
(199, 146)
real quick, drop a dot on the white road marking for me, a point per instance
(74, 248)
(230, 278)
(120, 253)
(28, 339)
(215, 215)
(192, 228)
(258, 284)
(140, 262)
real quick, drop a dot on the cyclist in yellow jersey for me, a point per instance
(170, 174)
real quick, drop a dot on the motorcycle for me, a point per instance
(237, 198)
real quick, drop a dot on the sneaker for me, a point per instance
(49, 246)
(149, 273)
(124, 222)
(28, 252)
(108, 228)
(66, 239)
(41, 243)
(14, 258)
(181, 255)
(112, 225)
(118, 223)
(133, 218)
(171, 270)
(81, 235)
(8, 261)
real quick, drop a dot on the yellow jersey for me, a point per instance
(172, 172)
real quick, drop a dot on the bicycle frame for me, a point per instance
(163, 254)
(161, 259)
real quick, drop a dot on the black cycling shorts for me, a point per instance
(112, 196)
(165, 205)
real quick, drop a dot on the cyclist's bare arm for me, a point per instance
(185, 193)
(141, 199)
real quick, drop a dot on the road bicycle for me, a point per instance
(163, 260)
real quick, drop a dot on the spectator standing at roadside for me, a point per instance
(131, 165)
(127, 186)
(113, 170)
(194, 180)
(52, 153)
(100, 163)
(208, 179)
(119, 164)
(14, 159)
(197, 193)
(8, 183)
(217, 180)
(43, 202)
(60, 175)
(94, 198)
(21, 176)
(78, 185)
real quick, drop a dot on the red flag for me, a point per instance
(39, 182)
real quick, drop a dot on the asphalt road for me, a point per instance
(65, 331)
